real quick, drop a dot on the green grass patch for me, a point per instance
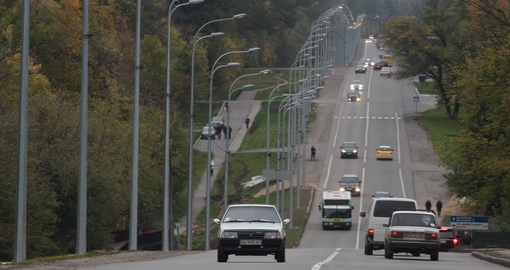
(256, 137)
(443, 130)
(426, 88)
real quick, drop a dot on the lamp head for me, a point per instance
(265, 72)
(192, 2)
(253, 49)
(239, 16)
(248, 85)
(217, 34)
(231, 64)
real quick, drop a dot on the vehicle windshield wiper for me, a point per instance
(236, 220)
(262, 220)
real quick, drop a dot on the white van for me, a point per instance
(378, 213)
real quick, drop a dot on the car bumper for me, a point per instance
(413, 246)
(376, 245)
(349, 154)
(268, 246)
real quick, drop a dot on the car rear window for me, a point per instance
(386, 208)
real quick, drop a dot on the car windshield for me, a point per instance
(360, 66)
(382, 194)
(356, 82)
(408, 219)
(251, 214)
(352, 93)
(349, 179)
(349, 145)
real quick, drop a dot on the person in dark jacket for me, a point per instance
(428, 205)
(439, 207)
(219, 128)
(224, 130)
(229, 132)
(313, 152)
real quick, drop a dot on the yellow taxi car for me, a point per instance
(385, 152)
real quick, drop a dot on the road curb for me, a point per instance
(496, 260)
(308, 208)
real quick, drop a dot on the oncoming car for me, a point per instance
(353, 95)
(360, 69)
(385, 152)
(350, 182)
(412, 232)
(349, 149)
(251, 230)
(356, 85)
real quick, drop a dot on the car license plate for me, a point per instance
(413, 235)
(251, 242)
(443, 241)
(336, 220)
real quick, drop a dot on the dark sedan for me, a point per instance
(448, 240)
(380, 65)
(349, 149)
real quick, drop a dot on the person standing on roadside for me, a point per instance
(313, 152)
(229, 132)
(439, 207)
(247, 121)
(226, 106)
(218, 131)
(428, 205)
(224, 127)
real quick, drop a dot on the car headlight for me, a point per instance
(355, 151)
(229, 235)
(361, 87)
(342, 189)
(343, 151)
(272, 235)
(352, 86)
(358, 189)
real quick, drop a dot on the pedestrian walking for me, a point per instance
(226, 106)
(439, 207)
(313, 152)
(212, 167)
(218, 131)
(229, 132)
(224, 130)
(247, 121)
(428, 205)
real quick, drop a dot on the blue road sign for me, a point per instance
(416, 98)
(470, 222)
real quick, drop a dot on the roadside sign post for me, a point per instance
(470, 222)
(416, 99)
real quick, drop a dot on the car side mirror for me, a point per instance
(362, 214)
(320, 208)
(352, 207)
(286, 221)
(360, 182)
(217, 221)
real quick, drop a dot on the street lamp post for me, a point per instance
(166, 200)
(189, 221)
(267, 131)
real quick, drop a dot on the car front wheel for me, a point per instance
(434, 256)
(280, 255)
(388, 254)
(222, 255)
(368, 250)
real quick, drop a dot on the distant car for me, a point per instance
(217, 120)
(360, 69)
(351, 182)
(371, 37)
(448, 239)
(349, 149)
(381, 194)
(208, 132)
(368, 41)
(385, 152)
(368, 61)
(379, 65)
(356, 85)
(362, 63)
(412, 232)
(386, 71)
(251, 230)
(353, 95)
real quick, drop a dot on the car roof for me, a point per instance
(356, 81)
(350, 175)
(384, 146)
(421, 212)
(252, 205)
(395, 199)
(349, 143)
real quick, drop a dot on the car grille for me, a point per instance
(250, 235)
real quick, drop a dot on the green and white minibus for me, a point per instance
(336, 207)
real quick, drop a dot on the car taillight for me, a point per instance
(370, 231)
(397, 234)
(378, 152)
(455, 241)
(430, 235)
(391, 152)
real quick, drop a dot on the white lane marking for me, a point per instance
(365, 156)
(360, 207)
(368, 119)
(338, 125)
(327, 175)
(318, 265)
(398, 139)
(369, 83)
(402, 182)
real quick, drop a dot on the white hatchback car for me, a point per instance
(386, 71)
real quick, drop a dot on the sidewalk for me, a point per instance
(244, 105)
